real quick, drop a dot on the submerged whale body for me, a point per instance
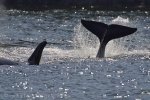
(105, 33)
(34, 59)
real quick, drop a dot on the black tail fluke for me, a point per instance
(105, 33)
(36, 55)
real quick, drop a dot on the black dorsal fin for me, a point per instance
(35, 58)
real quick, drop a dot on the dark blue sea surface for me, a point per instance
(69, 69)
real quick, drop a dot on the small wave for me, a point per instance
(140, 52)
(120, 20)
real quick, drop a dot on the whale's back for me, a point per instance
(7, 62)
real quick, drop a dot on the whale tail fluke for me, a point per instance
(34, 59)
(109, 32)
(105, 33)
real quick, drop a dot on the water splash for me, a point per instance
(84, 42)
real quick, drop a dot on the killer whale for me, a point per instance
(34, 59)
(105, 33)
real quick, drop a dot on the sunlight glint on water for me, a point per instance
(65, 71)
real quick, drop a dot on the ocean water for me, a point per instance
(69, 69)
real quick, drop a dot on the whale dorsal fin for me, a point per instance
(34, 59)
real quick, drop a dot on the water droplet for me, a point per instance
(81, 73)
(108, 75)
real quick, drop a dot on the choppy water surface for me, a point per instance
(69, 69)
